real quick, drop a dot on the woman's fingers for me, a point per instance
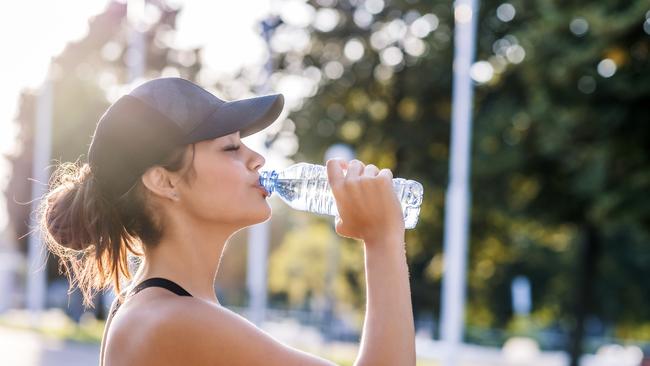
(355, 169)
(370, 171)
(366, 203)
(387, 173)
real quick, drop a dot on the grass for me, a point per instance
(56, 325)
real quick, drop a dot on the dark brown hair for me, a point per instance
(92, 236)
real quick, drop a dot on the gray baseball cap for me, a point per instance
(142, 127)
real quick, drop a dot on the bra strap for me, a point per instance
(152, 282)
(160, 282)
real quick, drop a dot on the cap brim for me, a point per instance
(247, 116)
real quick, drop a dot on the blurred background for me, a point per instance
(555, 265)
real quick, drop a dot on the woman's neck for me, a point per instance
(188, 257)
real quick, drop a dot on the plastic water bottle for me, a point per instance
(305, 187)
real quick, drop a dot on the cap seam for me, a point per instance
(190, 132)
(154, 107)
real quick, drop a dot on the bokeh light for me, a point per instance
(424, 25)
(506, 12)
(396, 29)
(515, 54)
(379, 40)
(326, 19)
(374, 6)
(482, 72)
(353, 49)
(334, 70)
(297, 13)
(391, 56)
(362, 18)
(579, 26)
(607, 68)
(615, 354)
(414, 46)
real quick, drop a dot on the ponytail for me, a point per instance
(92, 236)
(86, 232)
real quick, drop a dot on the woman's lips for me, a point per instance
(261, 189)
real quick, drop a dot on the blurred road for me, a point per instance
(26, 348)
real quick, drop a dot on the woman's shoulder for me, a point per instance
(153, 317)
(179, 330)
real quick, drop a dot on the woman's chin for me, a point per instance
(267, 214)
(261, 216)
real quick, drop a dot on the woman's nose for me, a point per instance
(258, 160)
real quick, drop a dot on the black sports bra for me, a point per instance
(154, 282)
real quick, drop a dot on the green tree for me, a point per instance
(559, 160)
(298, 268)
(85, 75)
(567, 128)
(395, 117)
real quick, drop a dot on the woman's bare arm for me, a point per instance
(388, 332)
(370, 211)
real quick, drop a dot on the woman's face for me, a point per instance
(225, 188)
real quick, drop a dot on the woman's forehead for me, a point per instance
(234, 135)
(230, 137)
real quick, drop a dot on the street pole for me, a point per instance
(258, 235)
(458, 192)
(136, 62)
(136, 53)
(37, 260)
(345, 152)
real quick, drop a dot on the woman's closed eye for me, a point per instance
(232, 148)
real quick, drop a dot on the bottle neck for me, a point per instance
(268, 179)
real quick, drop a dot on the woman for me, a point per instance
(168, 180)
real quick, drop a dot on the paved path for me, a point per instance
(26, 348)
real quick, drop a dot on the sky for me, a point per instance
(226, 29)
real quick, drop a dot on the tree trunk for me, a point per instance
(587, 258)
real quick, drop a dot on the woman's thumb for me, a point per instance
(340, 228)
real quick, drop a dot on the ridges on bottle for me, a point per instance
(305, 187)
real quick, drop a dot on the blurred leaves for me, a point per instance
(86, 77)
(298, 268)
(558, 146)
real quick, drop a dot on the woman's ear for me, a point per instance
(159, 181)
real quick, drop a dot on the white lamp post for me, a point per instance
(136, 53)
(458, 192)
(258, 235)
(37, 261)
(345, 152)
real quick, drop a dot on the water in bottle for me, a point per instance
(305, 187)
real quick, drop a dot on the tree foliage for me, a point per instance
(559, 162)
(85, 76)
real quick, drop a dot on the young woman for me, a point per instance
(169, 180)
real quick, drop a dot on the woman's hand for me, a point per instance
(368, 207)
